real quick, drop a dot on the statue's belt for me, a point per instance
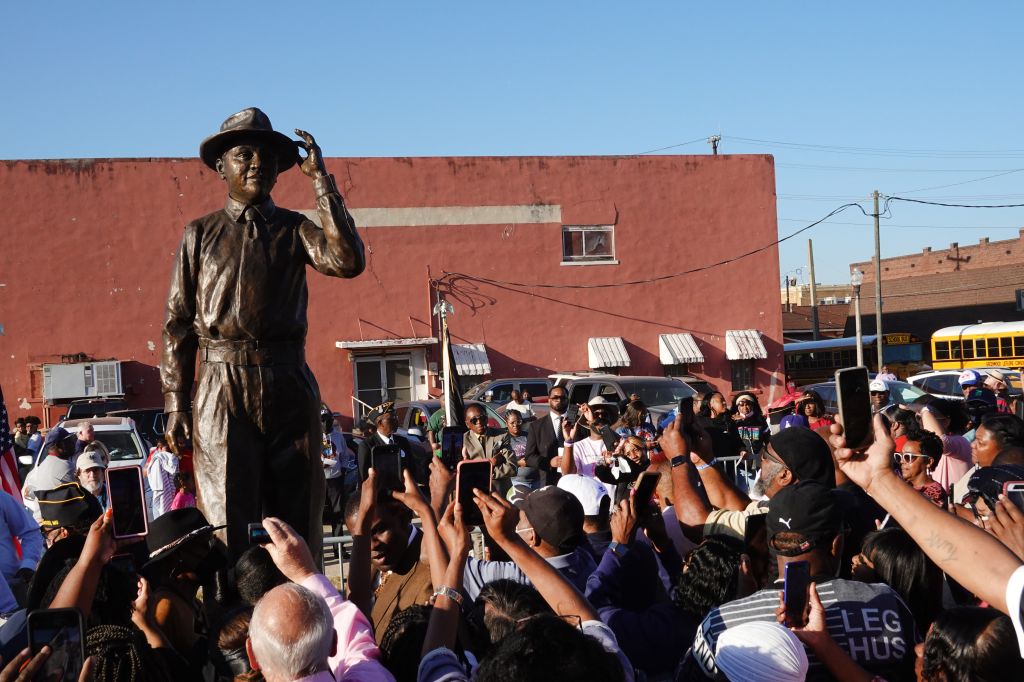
(251, 353)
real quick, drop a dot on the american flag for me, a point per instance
(9, 479)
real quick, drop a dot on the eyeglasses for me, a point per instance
(767, 453)
(906, 457)
(476, 420)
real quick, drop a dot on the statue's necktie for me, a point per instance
(250, 290)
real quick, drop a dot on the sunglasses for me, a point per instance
(906, 457)
(477, 420)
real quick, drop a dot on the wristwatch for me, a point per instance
(618, 549)
(678, 461)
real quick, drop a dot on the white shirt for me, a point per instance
(556, 420)
(588, 454)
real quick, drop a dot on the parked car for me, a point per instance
(659, 394)
(119, 434)
(413, 415)
(899, 392)
(944, 382)
(149, 421)
(499, 391)
(93, 407)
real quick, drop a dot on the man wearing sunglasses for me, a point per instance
(483, 442)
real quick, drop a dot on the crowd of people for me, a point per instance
(914, 549)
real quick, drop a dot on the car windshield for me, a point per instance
(904, 393)
(121, 445)
(667, 392)
(470, 392)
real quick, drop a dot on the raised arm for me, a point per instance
(359, 573)
(971, 556)
(337, 249)
(690, 506)
(722, 492)
(500, 519)
(436, 555)
(444, 619)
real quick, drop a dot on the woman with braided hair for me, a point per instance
(122, 654)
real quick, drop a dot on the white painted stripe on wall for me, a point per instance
(452, 215)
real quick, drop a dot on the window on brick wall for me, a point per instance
(588, 244)
(742, 375)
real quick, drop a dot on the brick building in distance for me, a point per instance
(96, 240)
(926, 291)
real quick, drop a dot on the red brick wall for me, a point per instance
(985, 254)
(91, 244)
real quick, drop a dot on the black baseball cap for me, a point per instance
(806, 454)
(556, 516)
(987, 482)
(67, 506)
(808, 509)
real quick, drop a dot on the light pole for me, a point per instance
(856, 279)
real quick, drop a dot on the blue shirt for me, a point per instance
(576, 567)
(16, 522)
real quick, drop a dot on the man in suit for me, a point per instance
(385, 434)
(544, 442)
(483, 442)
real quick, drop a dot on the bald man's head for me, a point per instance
(291, 634)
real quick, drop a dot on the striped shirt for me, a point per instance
(869, 621)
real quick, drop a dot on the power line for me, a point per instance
(872, 169)
(948, 205)
(882, 151)
(892, 224)
(965, 182)
(607, 285)
(672, 146)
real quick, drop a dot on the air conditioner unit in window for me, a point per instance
(82, 380)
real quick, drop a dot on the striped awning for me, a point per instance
(471, 359)
(607, 351)
(678, 349)
(744, 344)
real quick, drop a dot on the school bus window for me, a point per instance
(942, 350)
(993, 347)
(954, 350)
(1018, 346)
(967, 350)
(1005, 346)
(980, 351)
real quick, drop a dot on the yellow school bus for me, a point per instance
(979, 345)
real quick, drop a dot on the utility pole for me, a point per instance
(879, 340)
(815, 330)
(713, 141)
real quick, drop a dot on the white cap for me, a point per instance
(877, 385)
(598, 400)
(90, 460)
(760, 650)
(589, 491)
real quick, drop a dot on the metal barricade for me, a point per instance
(737, 469)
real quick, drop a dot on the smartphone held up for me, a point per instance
(854, 399)
(127, 502)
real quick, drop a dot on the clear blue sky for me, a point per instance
(475, 78)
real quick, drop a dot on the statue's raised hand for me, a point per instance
(313, 164)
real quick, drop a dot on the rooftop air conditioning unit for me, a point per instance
(82, 380)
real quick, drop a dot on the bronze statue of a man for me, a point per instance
(238, 300)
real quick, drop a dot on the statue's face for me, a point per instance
(250, 171)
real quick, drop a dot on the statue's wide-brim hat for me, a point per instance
(249, 124)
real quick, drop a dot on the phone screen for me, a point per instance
(1014, 491)
(258, 535)
(61, 629)
(127, 501)
(125, 563)
(796, 591)
(855, 406)
(645, 487)
(472, 473)
(571, 416)
(387, 462)
(452, 440)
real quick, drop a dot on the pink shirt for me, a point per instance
(955, 461)
(357, 657)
